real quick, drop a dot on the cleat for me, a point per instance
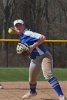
(62, 97)
(29, 95)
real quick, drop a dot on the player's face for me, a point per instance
(19, 28)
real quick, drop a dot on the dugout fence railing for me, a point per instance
(17, 40)
(7, 41)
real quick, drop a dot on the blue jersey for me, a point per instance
(29, 38)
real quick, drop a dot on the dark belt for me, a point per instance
(33, 57)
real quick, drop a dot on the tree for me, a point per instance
(7, 10)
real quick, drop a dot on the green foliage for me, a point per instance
(60, 73)
(21, 74)
(13, 74)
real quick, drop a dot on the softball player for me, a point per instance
(40, 59)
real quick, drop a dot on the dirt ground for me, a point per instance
(15, 90)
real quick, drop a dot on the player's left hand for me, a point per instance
(23, 49)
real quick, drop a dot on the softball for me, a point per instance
(11, 31)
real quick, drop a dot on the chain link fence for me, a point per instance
(9, 57)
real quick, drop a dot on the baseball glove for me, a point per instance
(23, 49)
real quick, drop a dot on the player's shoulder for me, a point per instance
(28, 32)
(31, 33)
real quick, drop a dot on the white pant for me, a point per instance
(44, 62)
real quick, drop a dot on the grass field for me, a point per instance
(21, 74)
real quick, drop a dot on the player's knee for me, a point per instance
(47, 75)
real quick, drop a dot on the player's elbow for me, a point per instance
(43, 38)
